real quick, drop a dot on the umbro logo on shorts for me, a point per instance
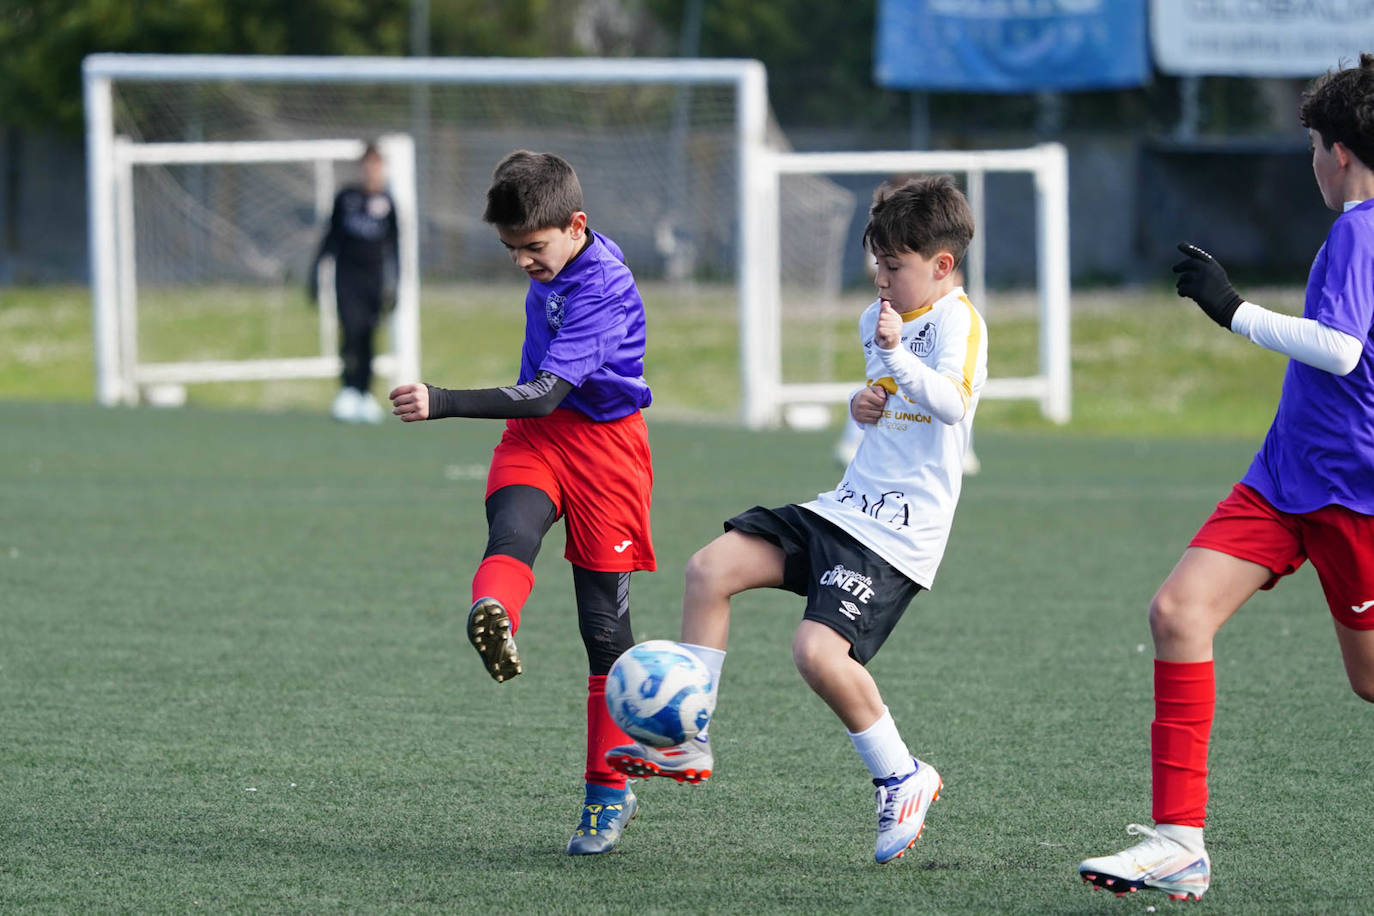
(850, 610)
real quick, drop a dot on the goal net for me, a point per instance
(670, 154)
(781, 300)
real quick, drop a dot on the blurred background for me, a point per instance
(1179, 120)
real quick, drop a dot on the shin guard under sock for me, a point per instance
(1185, 701)
(602, 735)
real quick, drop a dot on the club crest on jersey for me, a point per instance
(923, 344)
(553, 310)
(378, 206)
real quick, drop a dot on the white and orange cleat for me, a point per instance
(1157, 862)
(902, 805)
(690, 761)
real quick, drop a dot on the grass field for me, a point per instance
(233, 678)
(1145, 363)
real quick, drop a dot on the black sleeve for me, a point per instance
(536, 398)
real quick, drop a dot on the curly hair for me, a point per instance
(927, 214)
(1340, 106)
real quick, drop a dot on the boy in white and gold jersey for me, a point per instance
(861, 552)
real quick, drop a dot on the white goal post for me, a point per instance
(123, 377)
(679, 155)
(1048, 165)
(101, 72)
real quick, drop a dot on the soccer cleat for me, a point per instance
(1157, 862)
(368, 410)
(605, 812)
(902, 805)
(489, 632)
(346, 404)
(690, 761)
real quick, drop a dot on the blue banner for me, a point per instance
(1010, 45)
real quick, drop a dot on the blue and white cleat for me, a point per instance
(902, 805)
(690, 761)
(1158, 862)
(490, 634)
(605, 812)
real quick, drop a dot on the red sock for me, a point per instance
(1185, 701)
(507, 580)
(602, 735)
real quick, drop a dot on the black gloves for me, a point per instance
(1203, 280)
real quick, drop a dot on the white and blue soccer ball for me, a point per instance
(659, 693)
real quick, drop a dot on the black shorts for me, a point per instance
(848, 587)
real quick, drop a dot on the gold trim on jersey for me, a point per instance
(916, 313)
(970, 355)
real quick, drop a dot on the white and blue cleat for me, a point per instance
(902, 805)
(1157, 863)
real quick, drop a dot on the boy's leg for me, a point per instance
(905, 787)
(603, 617)
(1357, 651)
(732, 563)
(518, 517)
(1200, 594)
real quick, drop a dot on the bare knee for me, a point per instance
(703, 578)
(1176, 619)
(808, 654)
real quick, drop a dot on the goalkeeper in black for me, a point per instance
(362, 241)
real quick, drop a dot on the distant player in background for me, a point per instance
(362, 240)
(1309, 493)
(861, 552)
(575, 445)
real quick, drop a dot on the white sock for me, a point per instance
(1190, 837)
(882, 749)
(714, 660)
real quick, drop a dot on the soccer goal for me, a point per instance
(669, 153)
(1047, 164)
(225, 227)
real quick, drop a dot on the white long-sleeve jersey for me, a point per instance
(898, 494)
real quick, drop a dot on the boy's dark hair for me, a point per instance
(926, 215)
(532, 191)
(1340, 107)
(370, 151)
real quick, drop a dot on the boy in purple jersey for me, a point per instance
(1309, 493)
(575, 446)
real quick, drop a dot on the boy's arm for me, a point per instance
(942, 396)
(1202, 279)
(536, 398)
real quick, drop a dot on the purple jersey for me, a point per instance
(586, 326)
(1320, 448)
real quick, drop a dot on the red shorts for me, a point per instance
(1339, 542)
(600, 477)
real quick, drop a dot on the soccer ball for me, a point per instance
(659, 693)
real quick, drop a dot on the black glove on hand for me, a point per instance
(1203, 280)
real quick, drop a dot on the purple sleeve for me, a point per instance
(1346, 300)
(594, 325)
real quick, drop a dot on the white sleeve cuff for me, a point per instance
(1303, 339)
(923, 385)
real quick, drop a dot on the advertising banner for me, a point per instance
(1010, 45)
(1262, 38)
